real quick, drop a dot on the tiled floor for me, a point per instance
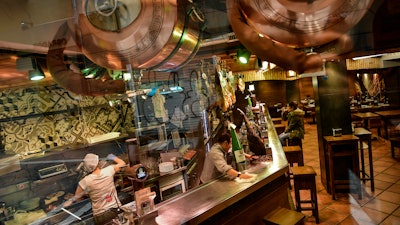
(379, 207)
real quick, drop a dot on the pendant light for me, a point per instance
(36, 73)
(243, 55)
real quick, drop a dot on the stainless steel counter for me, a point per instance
(206, 201)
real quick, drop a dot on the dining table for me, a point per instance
(365, 116)
(386, 116)
(310, 110)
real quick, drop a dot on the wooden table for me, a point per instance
(341, 150)
(365, 116)
(386, 116)
(311, 110)
(365, 135)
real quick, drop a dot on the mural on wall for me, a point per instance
(41, 118)
(371, 86)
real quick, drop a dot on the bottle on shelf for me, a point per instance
(237, 149)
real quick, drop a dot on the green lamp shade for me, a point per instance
(243, 55)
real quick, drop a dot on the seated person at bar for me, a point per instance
(215, 163)
(295, 123)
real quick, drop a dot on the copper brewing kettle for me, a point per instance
(161, 35)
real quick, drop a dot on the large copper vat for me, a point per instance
(304, 23)
(148, 34)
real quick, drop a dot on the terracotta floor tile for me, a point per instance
(343, 208)
(394, 188)
(382, 184)
(386, 177)
(329, 216)
(397, 212)
(392, 171)
(391, 220)
(379, 207)
(390, 197)
(369, 215)
(350, 220)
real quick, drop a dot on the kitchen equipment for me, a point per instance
(166, 167)
(52, 170)
(9, 164)
(29, 204)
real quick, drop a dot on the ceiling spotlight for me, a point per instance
(35, 75)
(243, 55)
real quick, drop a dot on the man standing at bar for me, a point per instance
(215, 163)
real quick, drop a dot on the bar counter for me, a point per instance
(225, 201)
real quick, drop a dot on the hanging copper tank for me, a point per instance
(304, 23)
(160, 35)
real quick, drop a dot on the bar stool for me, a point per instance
(365, 135)
(304, 179)
(375, 123)
(394, 143)
(276, 120)
(280, 128)
(294, 154)
(295, 141)
(283, 216)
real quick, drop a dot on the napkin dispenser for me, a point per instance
(337, 132)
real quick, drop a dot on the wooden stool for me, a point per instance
(394, 143)
(276, 120)
(295, 141)
(283, 216)
(375, 122)
(365, 135)
(280, 128)
(304, 179)
(294, 154)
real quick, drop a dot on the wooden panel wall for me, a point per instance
(306, 88)
(271, 92)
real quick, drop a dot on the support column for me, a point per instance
(332, 107)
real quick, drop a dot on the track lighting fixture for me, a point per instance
(36, 73)
(243, 55)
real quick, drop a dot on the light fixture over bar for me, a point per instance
(367, 56)
(36, 73)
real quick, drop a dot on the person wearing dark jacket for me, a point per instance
(295, 123)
